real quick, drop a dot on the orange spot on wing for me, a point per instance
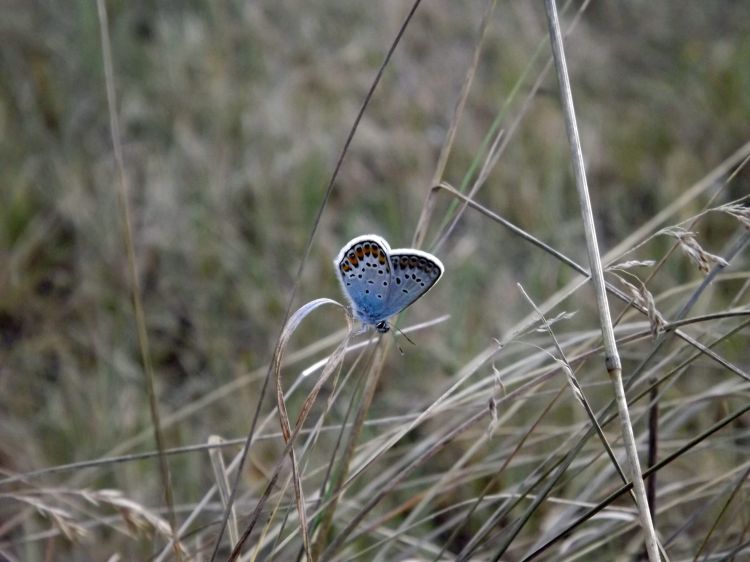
(353, 259)
(360, 253)
(381, 259)
(367, 249)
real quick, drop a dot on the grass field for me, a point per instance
(167, 203)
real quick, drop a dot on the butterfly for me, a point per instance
(380, 282)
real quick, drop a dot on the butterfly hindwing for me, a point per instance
(413, 273)
(364, 270)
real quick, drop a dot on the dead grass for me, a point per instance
(471, 445)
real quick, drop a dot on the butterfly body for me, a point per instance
(380, 282)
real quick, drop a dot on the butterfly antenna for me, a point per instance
(400, 349)
(407, 337)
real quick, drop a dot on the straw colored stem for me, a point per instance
(373, 377)
(612, 358)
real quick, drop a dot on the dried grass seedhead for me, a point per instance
(690, 246)
(640, 294)
(60, 518)
(630, 264)
(492, 405)
(738, 211)
(645, 298)
(137, 517)
(546, 324)
(497, 377)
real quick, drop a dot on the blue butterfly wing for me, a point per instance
(364, 270)
(413, 273)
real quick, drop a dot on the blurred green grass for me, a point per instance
(233, 115)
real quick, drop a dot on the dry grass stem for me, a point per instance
(123, 196)
(612, 358)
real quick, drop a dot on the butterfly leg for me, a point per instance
(361, 330)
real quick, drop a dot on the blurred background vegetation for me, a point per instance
(233, 115)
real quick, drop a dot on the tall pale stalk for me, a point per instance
(611, 357)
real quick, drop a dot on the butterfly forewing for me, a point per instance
(413, 273)
(364, 270)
